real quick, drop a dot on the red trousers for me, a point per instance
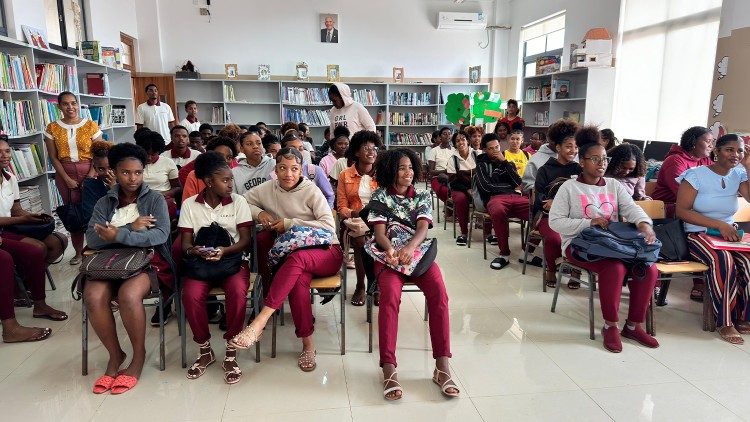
(611, 274)
(29, 260)
(552, 243)
(293, 279)
(7, 286)
(195, 292)
(440, 189)
(502, 207)
(265, 240)
(461, 201)
(431, 284)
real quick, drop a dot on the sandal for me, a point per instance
(742, 326)
(550, 279)
(53, 316)
(103, 384)
(358, 298)
(75, 260)
(232, 371)
(387, 391)
(306, 361)
(246, 338)
(696, 295)
(197, 369)
(446, 384)
(38, 335)
(731, 337)
(123, 383)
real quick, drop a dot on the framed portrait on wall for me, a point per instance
(475, 73)
(329, 27)
(398, 75)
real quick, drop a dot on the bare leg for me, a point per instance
(97, 296)
(77, 239)
(131, 295)
(56, 247)
(15, 332)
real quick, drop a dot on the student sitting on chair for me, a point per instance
(593, 200)
(460, 169)
(255, 167)
(337, 147)
(514, 153)
(278, 205)
(160, 174)
(627, 166)
(438, 162)
(309, 170)
(179, 149)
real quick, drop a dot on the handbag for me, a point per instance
(356, 226)
(38, 231)
(115, 264)
(671, 234)
(619, 241)
(296, 238)
(199, 268)
(72, 217)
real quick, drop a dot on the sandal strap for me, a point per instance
(444, 385)
(246, 338)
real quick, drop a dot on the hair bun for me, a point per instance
(587, 135)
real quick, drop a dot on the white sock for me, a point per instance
(630, 326)
(607, 325)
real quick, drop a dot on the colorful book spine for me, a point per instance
(49, 110)
(17, 117)
(15, 72)
(414, 119)
(311, 117)
(410, 138)
(410, 98)
(56, 78)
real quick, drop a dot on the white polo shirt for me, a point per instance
(8, 192)
(181, 161)
(232, 213)
(440, 156)
(191, 127)
(155, 117)
(465, 165)
(158, 174)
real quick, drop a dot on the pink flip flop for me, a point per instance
(123, 383)
(103, 384)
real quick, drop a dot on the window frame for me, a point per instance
(130, 41)
(63, 27)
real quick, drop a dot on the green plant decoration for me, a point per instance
(486, 108)
(457, 109)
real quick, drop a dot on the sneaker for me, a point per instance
(499, 263)
(612, 340)
(492, 240)
(535, 262)
(640, 335)
(168, 314)
(461, 240)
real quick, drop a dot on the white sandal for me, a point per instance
(392, 389)
(246, 338)
(197, 366)
(445, 385)
(306, 361)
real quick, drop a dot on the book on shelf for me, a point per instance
(380, 118)
(15, 72)
(109, 57)
(218, 115)
(17, 117)
(50, 111)
(546, 91)
(541, 118)
(416, 119)
(547, 64)
(410, 98)
(100, 114)
(25, 162)
(229, 92)
(572, 115)
(561, 89)
(30, 198)
(366, 96)
(118, 115)
(96, 84)
(410, 138)
(55, 198)
(56, 78)
(311, 117)
(306, 96)
(90, 50)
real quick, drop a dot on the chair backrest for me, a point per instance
(656, 150)
(653, 208)
(743, 212)
(636, 142)
(650, 188)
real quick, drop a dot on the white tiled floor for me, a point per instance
(513, 360)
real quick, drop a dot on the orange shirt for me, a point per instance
(73, 142)
(193, 186)
(347, 192)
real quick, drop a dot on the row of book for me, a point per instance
(49, 110)
(229, 93)
(56, 78)
(410, 138)
(366, 96)
(17, 117)
(15, 72)
(96, 84)
(539, 93)
(416, 119)
(311, 117)
(25, 161)
(31, 199)
(94, 51)
(410, 98)
(306, 96)
(219, 115)
(55, 200)
(541, 118)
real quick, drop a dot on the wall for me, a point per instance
(24, 12)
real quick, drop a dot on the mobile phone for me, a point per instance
(206, 249)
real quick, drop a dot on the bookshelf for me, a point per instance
(58, 72)
(589, 97)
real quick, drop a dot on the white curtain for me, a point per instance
(664, 67)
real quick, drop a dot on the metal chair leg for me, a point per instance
(426, 312)
(51, 281)
(557, 287)
(592, 286)
(162, 359)
(471, 229)
(369, 322)
(273, 336)
(84, 339)
(484, 239)
(662, 299)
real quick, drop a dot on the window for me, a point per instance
(542, 38)
(127, 48)
(665, 67)
(66, 23)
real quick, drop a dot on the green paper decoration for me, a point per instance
(482, 107)
(457, 109)
(487, 107)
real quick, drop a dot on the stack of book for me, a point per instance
(229, 92)
(55, 198)
(17, 117)
(31, 199)
(218, 115)
(15, 72)
(311, 117)
(365, 96)
(50, 112)
(410, 98)
(90, 50)
(306, 96)
(410, 138)
(414, 119)
(56, 78)
(539, 93)
(96, 84)
(25, 162)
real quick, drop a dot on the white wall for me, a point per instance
(374, 37)
(734, 14)
(106, 22)
(24, 12)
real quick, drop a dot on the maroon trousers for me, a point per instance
(431, 284)
(29, 261)
(293, 279)
(461, 201)
(552, 243)
(502, 207)
(440, 189)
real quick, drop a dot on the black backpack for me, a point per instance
(201, 269)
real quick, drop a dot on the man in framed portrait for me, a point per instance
(330, 33)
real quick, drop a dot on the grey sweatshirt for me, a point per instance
(577, 203)
(535, 162)
(246, 176)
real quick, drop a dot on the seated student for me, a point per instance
(474, 133)
(497, 181)
(434, 142)
(256, 167)
(215, 204)
(226, 148)
(437, 161)
(160, 173)
(309, 170)
(502, 130)
(339, 144)
(263, 128)
(27, 255)
(593, 200)
(515, 154)
(355, 187)
(544, 153)
(207, 131)
(196, 141)
(608, 139)
(396, 170)
(566, 137)
(94, 188)
(307, 142)
(271, 145)
(460, 168)
(178, 149)
(707, 199)
(191, 121)
(323, 149)
(292, 200)
(134, 215)
(231, 131)
(627, 166)
(537, 139)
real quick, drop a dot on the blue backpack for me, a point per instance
(620, 241)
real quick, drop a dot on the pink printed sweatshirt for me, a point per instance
(353, 115)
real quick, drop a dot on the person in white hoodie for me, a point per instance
(347, 112)
(255, 167)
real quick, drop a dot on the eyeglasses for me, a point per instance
(597, 160)
(365, 148)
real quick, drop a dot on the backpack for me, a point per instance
(619, 241)
(200, 269)
(458, 185)
(475, 196)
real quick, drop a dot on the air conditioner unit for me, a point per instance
(459, 20)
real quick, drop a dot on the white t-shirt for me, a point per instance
(8, 192)
(191, 127)
(158, 174)
(125, 215)
(231, 213)
(155, 117)
(465, 165)
(338, 167)
(440, 156)
(365, 191)
(180, 161)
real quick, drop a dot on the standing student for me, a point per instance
(593, 200)
(154, 114)
(338, 146)
(460, 170)
(627, 166)
(30, 256)
(292, 200)
(131, 215)
(438, 162)
(179, 150)
(396, 171)
(191, 121)
(207, 131)
(502, 130)
(511, 114)
(256, 167)
(497, 181)
(347, 112)
(68, 143)
(515, 154)
(215, 204)
(160, 173)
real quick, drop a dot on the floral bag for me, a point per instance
(297, 237)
